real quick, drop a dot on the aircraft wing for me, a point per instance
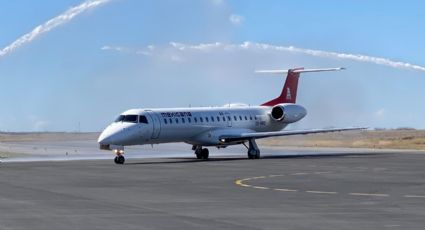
(258, 135)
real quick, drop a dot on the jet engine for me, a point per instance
(288, 113)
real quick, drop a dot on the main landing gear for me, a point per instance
(253, 150)
(119, 159)
(201, 153)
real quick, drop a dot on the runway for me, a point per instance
(345, 190)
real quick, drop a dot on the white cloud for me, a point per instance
(121, 49)
(38, 124)
(380, 113)
(292, 49)
(236, 19)
(113, 48)
(51, 24)
(217, 46)
(41, 125)
(200, 47)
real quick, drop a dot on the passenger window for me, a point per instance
(206, 119)
(212, 118)
(246, 118)
(240, 118)
(196, 119)
(224, 118)
(234, 118)
(218, 118)
(165, 121)
(200, 119)
(171, 121)
(228, 118)
(177, 120)
(255, 117)
(183, 121)
(250, 117)
(142, 119)
(190, 120)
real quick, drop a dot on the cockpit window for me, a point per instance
(142, 119)
(130, 118)
(127, 118)
(120, 118)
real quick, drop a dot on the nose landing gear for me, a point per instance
(119, 159)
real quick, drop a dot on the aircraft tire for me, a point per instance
(119, 160)
(205, 154)
(198, 156)
(253, 154)
(257, 154)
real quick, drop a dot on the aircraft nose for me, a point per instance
(104, 138)
(109, 136)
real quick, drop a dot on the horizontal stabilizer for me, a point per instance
(299, 70)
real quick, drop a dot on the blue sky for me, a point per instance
(121, 54)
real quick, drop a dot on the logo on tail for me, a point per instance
(289, 91)
(288, 94)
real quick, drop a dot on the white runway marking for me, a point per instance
(368, 194)
(318, 173)
(285, 190)
(321, 192)
(275, 175)
(260, 187)
(414, 196)
(300, 173)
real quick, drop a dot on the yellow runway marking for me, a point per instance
(242, 183)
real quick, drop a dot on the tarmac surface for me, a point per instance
(349, 190)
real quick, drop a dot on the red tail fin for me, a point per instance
(289, 91)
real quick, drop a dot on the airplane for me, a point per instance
(219, 127)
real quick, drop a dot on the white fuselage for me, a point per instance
(197, 126)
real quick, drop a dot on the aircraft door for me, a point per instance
(156, 124)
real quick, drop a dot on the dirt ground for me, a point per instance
(385, 139)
